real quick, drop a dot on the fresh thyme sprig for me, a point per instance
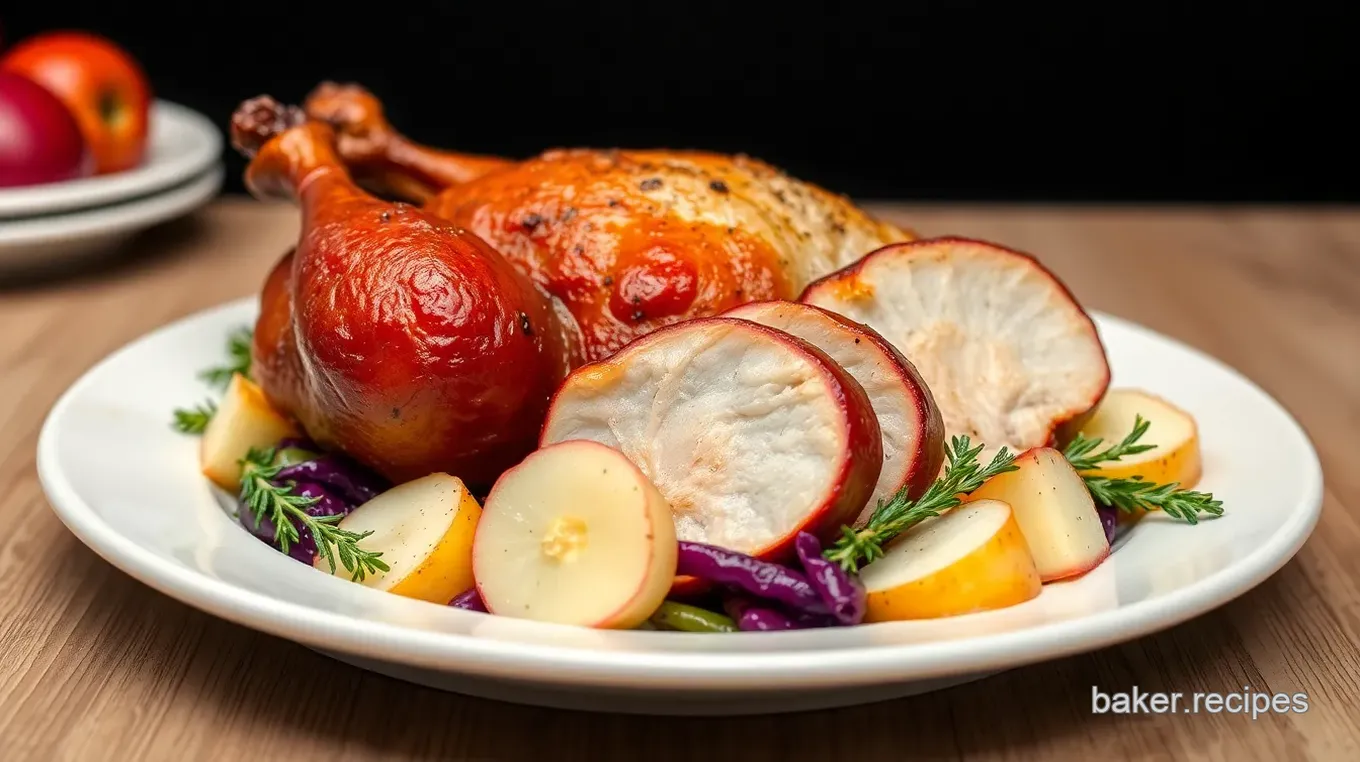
(262, 497)
(195, 419)
(962, 475)
(238, 354)
(1079, 452)
(1133, 493)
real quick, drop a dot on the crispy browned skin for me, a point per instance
(391, 334)
(624, 241)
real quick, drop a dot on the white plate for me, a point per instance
(129, 487)
(182, 143)
(62, 238)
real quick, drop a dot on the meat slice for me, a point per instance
(750, 433)
(1010, 357)
(913, 430)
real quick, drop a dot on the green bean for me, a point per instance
(680, 616)
(291, 456)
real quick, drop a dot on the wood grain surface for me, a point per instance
(94, 665)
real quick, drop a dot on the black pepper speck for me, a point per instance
(651, 183)
(718, 186)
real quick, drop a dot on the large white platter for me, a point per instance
(128, 486)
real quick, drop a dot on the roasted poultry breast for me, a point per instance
(629, 241)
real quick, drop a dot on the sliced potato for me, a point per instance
(1176, 458)
(424, 530)
(244, 419)
(1054, 511)
(972, 558)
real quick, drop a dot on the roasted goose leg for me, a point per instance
(390, 333)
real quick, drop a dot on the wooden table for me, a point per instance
(94, 665)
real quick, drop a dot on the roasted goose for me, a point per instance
(429, 339)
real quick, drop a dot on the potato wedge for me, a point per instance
(424, 529)
(1176, 458)
(1054, 511)
(244, 419)
(972, 558)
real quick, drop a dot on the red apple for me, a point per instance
(100, 83)
(39, 139)
(575, 534)
(750, 433)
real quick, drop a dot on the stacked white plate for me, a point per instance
(54, 223)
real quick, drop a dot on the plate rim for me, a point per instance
(88, 193)
(140, 212)
(676, 670)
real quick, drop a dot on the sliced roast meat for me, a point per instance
(1009, 356)
(912, 428)
(750, 433)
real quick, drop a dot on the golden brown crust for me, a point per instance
(629, 241)
(625, 241)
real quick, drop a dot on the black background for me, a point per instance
(924, 100)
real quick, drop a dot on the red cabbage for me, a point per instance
(348, 480)
(762, 579)
(469, 599)
(304, 549)
(1109, 519)
(752, 618)
(841, 593)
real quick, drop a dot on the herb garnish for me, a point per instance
(1133, 493)
(962, 475)
(238, 352)
(264, 498)
(195, 419)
